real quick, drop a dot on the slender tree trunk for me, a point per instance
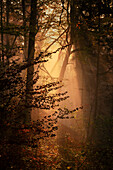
(24, 28)
(97, 76)
(95, 115)
(66, 59)
(7, 24)
(2, 44)
(31, 51)
(68, 52)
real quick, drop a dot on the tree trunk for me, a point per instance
(7, 23)
(31, 51)
(2, 45)
(24, 28)
(63, 69)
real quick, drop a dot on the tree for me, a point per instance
(24, 27)
(17, 97)
(2, 43)
(31, 49)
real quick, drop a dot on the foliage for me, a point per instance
(14, 132)
(33, 145)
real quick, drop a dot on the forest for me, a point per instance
(56, 84)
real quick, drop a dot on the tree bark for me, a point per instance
(2, 44)
(24, 28)
(31, 51)
(7, 23)
(66, 59)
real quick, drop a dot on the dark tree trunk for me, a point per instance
(31, 51)
(2, 44)
(7, 24)
(24, 28)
